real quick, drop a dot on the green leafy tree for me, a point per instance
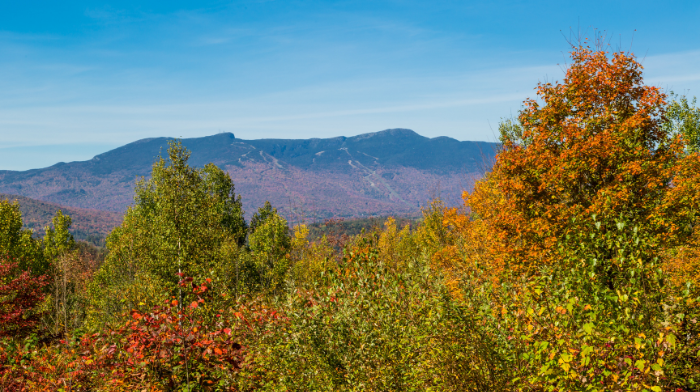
(58, 240)
(370, 326)
(683, 117)
(260, 216)
(270, 244)
(181, 220)
(16, 243)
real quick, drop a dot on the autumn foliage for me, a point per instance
(592, 147)
(573, 265)
(185, 345)
(20, 294)
(575, 235)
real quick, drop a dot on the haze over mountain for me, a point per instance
(389, 172)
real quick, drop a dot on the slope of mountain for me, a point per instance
(88, 225)
(388, 172)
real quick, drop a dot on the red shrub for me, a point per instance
(20, 293)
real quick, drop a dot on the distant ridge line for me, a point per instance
(392, 171)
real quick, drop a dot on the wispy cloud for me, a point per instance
(107, 76)
(347, 108)
(678, 71)
(106, 13)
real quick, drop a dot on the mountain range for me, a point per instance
(392, 172)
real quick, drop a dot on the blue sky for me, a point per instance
(79, 78)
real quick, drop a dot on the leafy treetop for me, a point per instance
(683, 118)
(181, 219)
(594, 146)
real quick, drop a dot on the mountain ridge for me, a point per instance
(385, 172)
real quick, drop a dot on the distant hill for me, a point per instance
(88, 225)
(382, 173)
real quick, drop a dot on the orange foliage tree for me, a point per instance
(592, 148)
(590, 199)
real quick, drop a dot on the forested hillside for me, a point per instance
(572, 265)
(88, 225)
(389, 172)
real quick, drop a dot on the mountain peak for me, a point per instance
(394, 132)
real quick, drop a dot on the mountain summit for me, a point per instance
(388, 172)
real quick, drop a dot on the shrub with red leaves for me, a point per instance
(170, 346)
(185, 344)
(20, 293)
